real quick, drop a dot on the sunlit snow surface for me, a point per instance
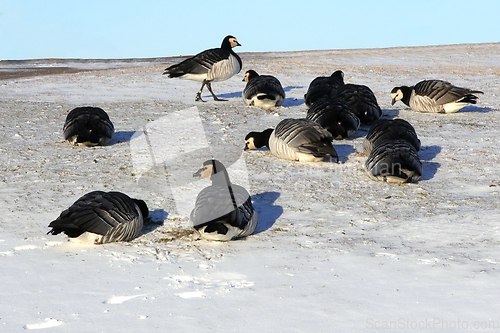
(334, 251)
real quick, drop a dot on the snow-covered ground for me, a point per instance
(334, 250)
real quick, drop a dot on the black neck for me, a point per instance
(263, 139)
(406, 94)
(220, 177)
(226, 43)
(252, 74)
(142, 206)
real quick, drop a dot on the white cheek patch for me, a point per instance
(397, 95)
(207, 173)
(251, 144)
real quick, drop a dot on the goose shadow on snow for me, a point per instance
(264, 204)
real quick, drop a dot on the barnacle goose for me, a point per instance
(88, 126)
(335, 115)
(263, 91)
(213, 65)
(362, 100)
(434, 96)
(323, 86)
(300, 140)
(223, 211)
(102, 217)
(393, 147)
(389, 130)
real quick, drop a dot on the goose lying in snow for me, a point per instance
(263, 91)
(362, 101)
(300, 140)
(335, 115)
(393, 147)
(88, 126)
(102, 217)
(434, 96)
(390, 130)
(394, 162)
(323, 86)
(223, 211)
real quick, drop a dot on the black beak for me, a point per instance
(393, 101)
(197, 173)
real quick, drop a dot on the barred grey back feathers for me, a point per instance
(334, 115)
(435, 96)
(390, 130)
(264, 91)
(394, 161)
(111, 216)
(323, 86)
(362, 100)
(301, 140)
(392, 147)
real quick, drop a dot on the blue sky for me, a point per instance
(33, 29)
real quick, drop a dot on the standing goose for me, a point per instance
(102, 217)
(335, 115)
(434, 96)
(300, 140)
(362, 100)
(213, 65)
(323, 86)
(263, 91)
(88, 126)
(223, 211)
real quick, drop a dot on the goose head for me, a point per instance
(143, 207)
(256, 140)
(249, 75)
(213, 170)
(401, 94)
(229, 42)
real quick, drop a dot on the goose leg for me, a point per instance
(198, 94)
(209, 86)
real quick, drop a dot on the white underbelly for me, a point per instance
(265, 103)
(453, 107)
(194, 77)
(232, 233)
(87, 238)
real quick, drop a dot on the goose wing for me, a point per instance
(246, 209)
(322, 86)
(442, 92)
(213, 203)
(96, 212)
(298, 132)
(385, 130)
(395, 159)
(335, 115)
(302, 136)
(88, 124)
(265, 84)
(362, 100)
(198, 64)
